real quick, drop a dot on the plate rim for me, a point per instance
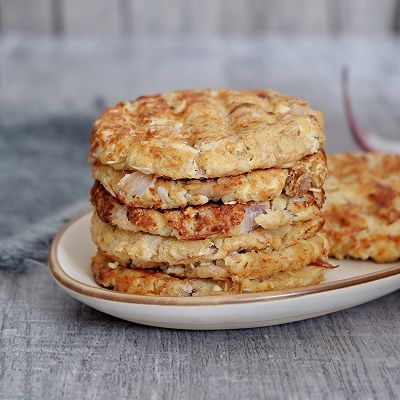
(67, 281)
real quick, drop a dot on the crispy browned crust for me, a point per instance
(209, 220)
(153, 283)
(189, 223)
(135, 189)
(148, 250)
(199, 222)
(307, 175)
(206, 133)
(362, 211)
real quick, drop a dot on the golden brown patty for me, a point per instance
(147, 282)
(256, 264)
(362, 210)
(148, 250)
(136, 189)
(206, 133)
(209, 220)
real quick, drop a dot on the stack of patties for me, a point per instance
(208, 192)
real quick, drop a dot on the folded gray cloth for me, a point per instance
(31, 246)
(45, 180)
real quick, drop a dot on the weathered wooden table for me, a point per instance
(52, 347)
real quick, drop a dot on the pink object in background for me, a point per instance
(366, 140)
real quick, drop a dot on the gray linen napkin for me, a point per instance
(31, 246)
(45, 181)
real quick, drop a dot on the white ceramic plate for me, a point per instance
(353, 283)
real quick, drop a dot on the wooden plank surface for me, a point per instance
(26, 16)
(306, 16)
(173, 17)
(362, 16)
(95, 17)
(54, 347)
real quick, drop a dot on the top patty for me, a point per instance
(206, 133)
(362, 209)
(136, 189)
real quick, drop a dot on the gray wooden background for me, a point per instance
(241, 17)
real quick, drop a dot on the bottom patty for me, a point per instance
(148, 282)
